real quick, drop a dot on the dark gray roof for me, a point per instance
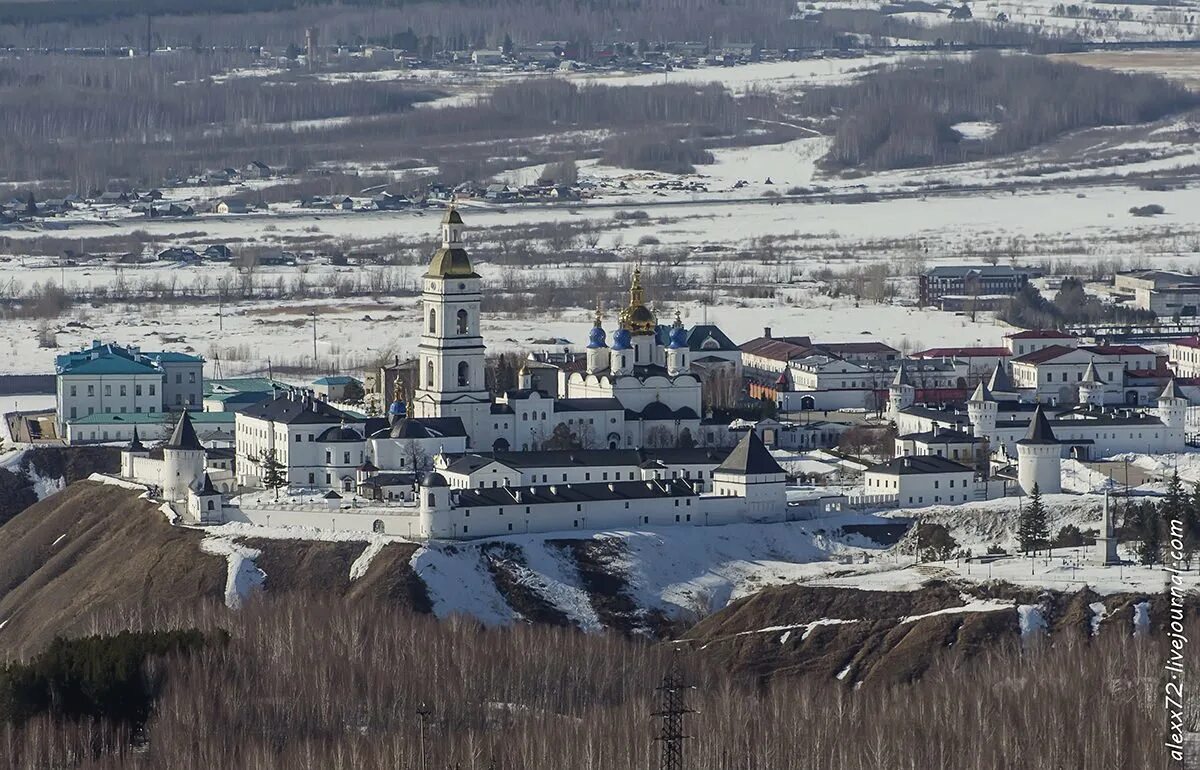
(297, 410)
(390, 480)
(339, 434)
(984, 271)
(425, 427)
(206, 487)
(1039, 430)
(918, 464)
(702, 332)
(981, 393)
(184, 435)
(1168, 391)
(434, 479)
(943, 435)
(572, 493)
(563, 458)
(1000, 381)
(587, 405)
(750, 457)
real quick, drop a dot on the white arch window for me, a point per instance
(463, 325)
(464, 373)
(429, 373)
(433, 320)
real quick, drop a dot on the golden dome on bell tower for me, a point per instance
(638, 318)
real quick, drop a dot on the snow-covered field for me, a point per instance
(248, 335)
(1095, 21)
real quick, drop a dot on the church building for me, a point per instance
(639, 392)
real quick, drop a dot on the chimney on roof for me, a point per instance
(767, 332)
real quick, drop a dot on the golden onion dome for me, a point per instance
(638, 318)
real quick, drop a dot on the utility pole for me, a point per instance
(423, 714)
(673, 709)
(314, 319)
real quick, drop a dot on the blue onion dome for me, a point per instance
(596, 337)
(678, 334)
(621, 339)
(396, 411)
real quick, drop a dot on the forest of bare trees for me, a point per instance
(317, 683)
(82, 124)
(903, 117)
(459, 24)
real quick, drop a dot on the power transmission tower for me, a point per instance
(671, 733)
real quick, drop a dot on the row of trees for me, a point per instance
(335, 683)
(1144, 521)
(904, 117)
(1071, 304)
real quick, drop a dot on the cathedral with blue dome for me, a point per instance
(638, 392)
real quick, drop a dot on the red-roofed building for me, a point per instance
(1022, 343)
(1055, 371)
(771, 354)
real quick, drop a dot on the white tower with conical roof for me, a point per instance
(1039, 457)
(982, 410)
(450, 378)
(1172, 410)
(183, 461)
(901, 393)
(1091, 387)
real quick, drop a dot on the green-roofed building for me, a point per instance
(111, 379)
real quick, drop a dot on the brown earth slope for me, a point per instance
(767, 635)
(91, 552)
(93, 556)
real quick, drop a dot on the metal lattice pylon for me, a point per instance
(671, 715)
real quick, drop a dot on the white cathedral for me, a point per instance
(638, 392)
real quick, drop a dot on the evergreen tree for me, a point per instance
(1149, 533)
(1032, 529)
(561, 438)
(274, 476)
(1174, 506)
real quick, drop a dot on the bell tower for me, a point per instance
(450, 378)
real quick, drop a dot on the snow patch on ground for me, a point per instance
(243, 576)
(1033, 623)
(975, 130)
(113, 481)
(557, 579)
(972, 605)
(1141, 618)
(363, 562)
(1099, 613)
(169, 512)
(459, 583)
(1077, 477)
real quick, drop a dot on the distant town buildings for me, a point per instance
(962, 282)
